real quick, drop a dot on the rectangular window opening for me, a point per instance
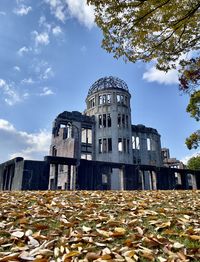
(100, 146)
(100, 121)
(122, 99)
(118, 98)
(123, 120)
(108, 98)
(119, 144)
(104, 120)
(109, 144)
(148, 144)
(104, 145)
(137, 144)
(119, 120)
(109, 120)
(133, 143)
(100, 100)
(104, 99)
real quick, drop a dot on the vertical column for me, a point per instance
(56, 177)
(194, 181)
(153, 180)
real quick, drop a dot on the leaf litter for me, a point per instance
(100, 226)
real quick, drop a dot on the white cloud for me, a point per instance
(19, 143)
(46, 92)
(5, 125)
(171, 77)
(23, 50)
(22, 10)
(17, 68)
(11, 96)
(43, 23)
(186, 158)
(78, 9)
(57, 8)
(57, 30)
(47, 73)
(42, 69)
(41, 38)
(28, 81)
(155, 75)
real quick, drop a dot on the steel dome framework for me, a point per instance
(110, 82)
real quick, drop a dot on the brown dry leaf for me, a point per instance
(92, 256)
(163, 225)
(140, 231)
(104, 232)
(10, 257)
(194, 237)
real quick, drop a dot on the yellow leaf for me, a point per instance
(71, 254)
(194, 237)
(103, 232)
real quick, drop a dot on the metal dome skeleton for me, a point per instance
(107, 83)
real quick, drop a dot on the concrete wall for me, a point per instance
(20, 174)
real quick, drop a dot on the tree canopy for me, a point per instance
(194, 163)
(149, 29)
(165, 31)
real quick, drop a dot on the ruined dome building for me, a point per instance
(100, 149)
(104, 133)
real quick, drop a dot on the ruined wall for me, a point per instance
(146, 146)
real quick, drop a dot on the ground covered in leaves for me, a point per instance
(100, 226)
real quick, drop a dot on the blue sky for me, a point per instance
(50, 54)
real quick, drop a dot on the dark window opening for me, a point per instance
(123, 120)
(100, 146)
(54, 151)
(119, 120)
(109, 144)
(104, 120)
(100, 121)
(104, 145)
(109, 120)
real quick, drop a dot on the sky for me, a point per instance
(50, 55)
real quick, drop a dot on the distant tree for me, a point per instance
(194, 163)
(189, 83)
(162, 31)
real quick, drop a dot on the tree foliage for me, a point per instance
(193, 141)
(149, 29)
(190, 75)
(164, 31)
(194, 163)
